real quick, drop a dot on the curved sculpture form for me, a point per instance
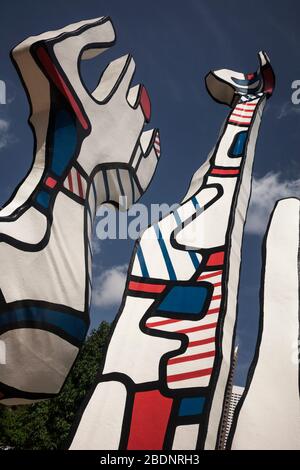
(268, 415)
(90, 148)
(164, 378)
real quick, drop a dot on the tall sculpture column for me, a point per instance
(163, 382)
(268, 415)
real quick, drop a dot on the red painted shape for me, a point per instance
(212, 311)
(193, 357)
(217, 284)
(70, 181)
(145, 103)
(250, 76)
(145, 287)
(150, 417)
(216, 259)
(50, 182)
(207, 276)
(80, 190)
(189, 375)
(269, 79)
(225, 171)
(161, 323)
(244, 110)
(198, 328)
(58, 80)
(200, 342)
(240, 123)
(216, 297)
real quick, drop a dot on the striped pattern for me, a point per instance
(193, 368)
(117, 185)
(243, 113)
(168, 263)
(75, 183)
(157, 144)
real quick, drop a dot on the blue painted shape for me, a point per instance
(165, 254)
(245, 82)
(194, 259)
(184, 299)
(142, 261)
(237, 148)
(196, 203)
(191, 406)
(71, 324)
(192, 254)
(64, 141)
(43, 199)
(177, 218)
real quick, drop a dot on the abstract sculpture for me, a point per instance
(46, 226)
(268, 415)
(164, 377)
(167, 369)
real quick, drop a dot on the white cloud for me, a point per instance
(287, 109)
(6, 137)
(96, 246)
(265, 192)
(109, 286)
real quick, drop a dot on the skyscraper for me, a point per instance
(233, 395)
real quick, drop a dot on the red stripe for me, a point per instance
(218, 284)
(240, 111)
(193, 357)
(161, 323)
(207, 276)
(200, 342)
(144, 287)
(189, 375)
(241, 116)
(168, 322)
(149, 422)
(224, 171)
(212, 311)
(79, 184)
(198, 328)
(239, 122)
(70, 182)
(60, 83)
(243, 109)
(246, 119)
(216, 297)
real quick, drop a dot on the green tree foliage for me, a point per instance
(46, 425)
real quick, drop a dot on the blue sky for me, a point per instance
(175, 44)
